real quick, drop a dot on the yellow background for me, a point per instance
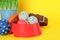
(48, 8)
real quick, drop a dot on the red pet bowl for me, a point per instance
(26, 30)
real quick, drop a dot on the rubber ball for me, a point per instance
(23, 15)
(32, 20)
(4, 27)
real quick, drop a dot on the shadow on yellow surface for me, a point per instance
(48, 8)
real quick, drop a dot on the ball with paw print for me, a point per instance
(23, 15)
(32, 20)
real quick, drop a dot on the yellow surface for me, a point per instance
(48, 8)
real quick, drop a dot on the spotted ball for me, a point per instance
(4, 27)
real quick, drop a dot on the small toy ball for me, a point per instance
(32, 20)
(4, 27)
(22, 22)
(23, 15)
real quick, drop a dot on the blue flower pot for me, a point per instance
(6, 14)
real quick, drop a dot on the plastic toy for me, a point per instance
(23, 15)
(22, 22)
(4, 27)
(32, 20)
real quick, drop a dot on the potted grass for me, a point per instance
(8, 8)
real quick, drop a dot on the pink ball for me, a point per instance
(22, 22)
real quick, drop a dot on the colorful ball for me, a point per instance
(4, 27)
(32, 20)
(23, 15)
(22, 22)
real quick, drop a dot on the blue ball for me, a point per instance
(23, 15)
(4, 27)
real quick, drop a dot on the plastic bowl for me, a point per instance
(26, 30)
